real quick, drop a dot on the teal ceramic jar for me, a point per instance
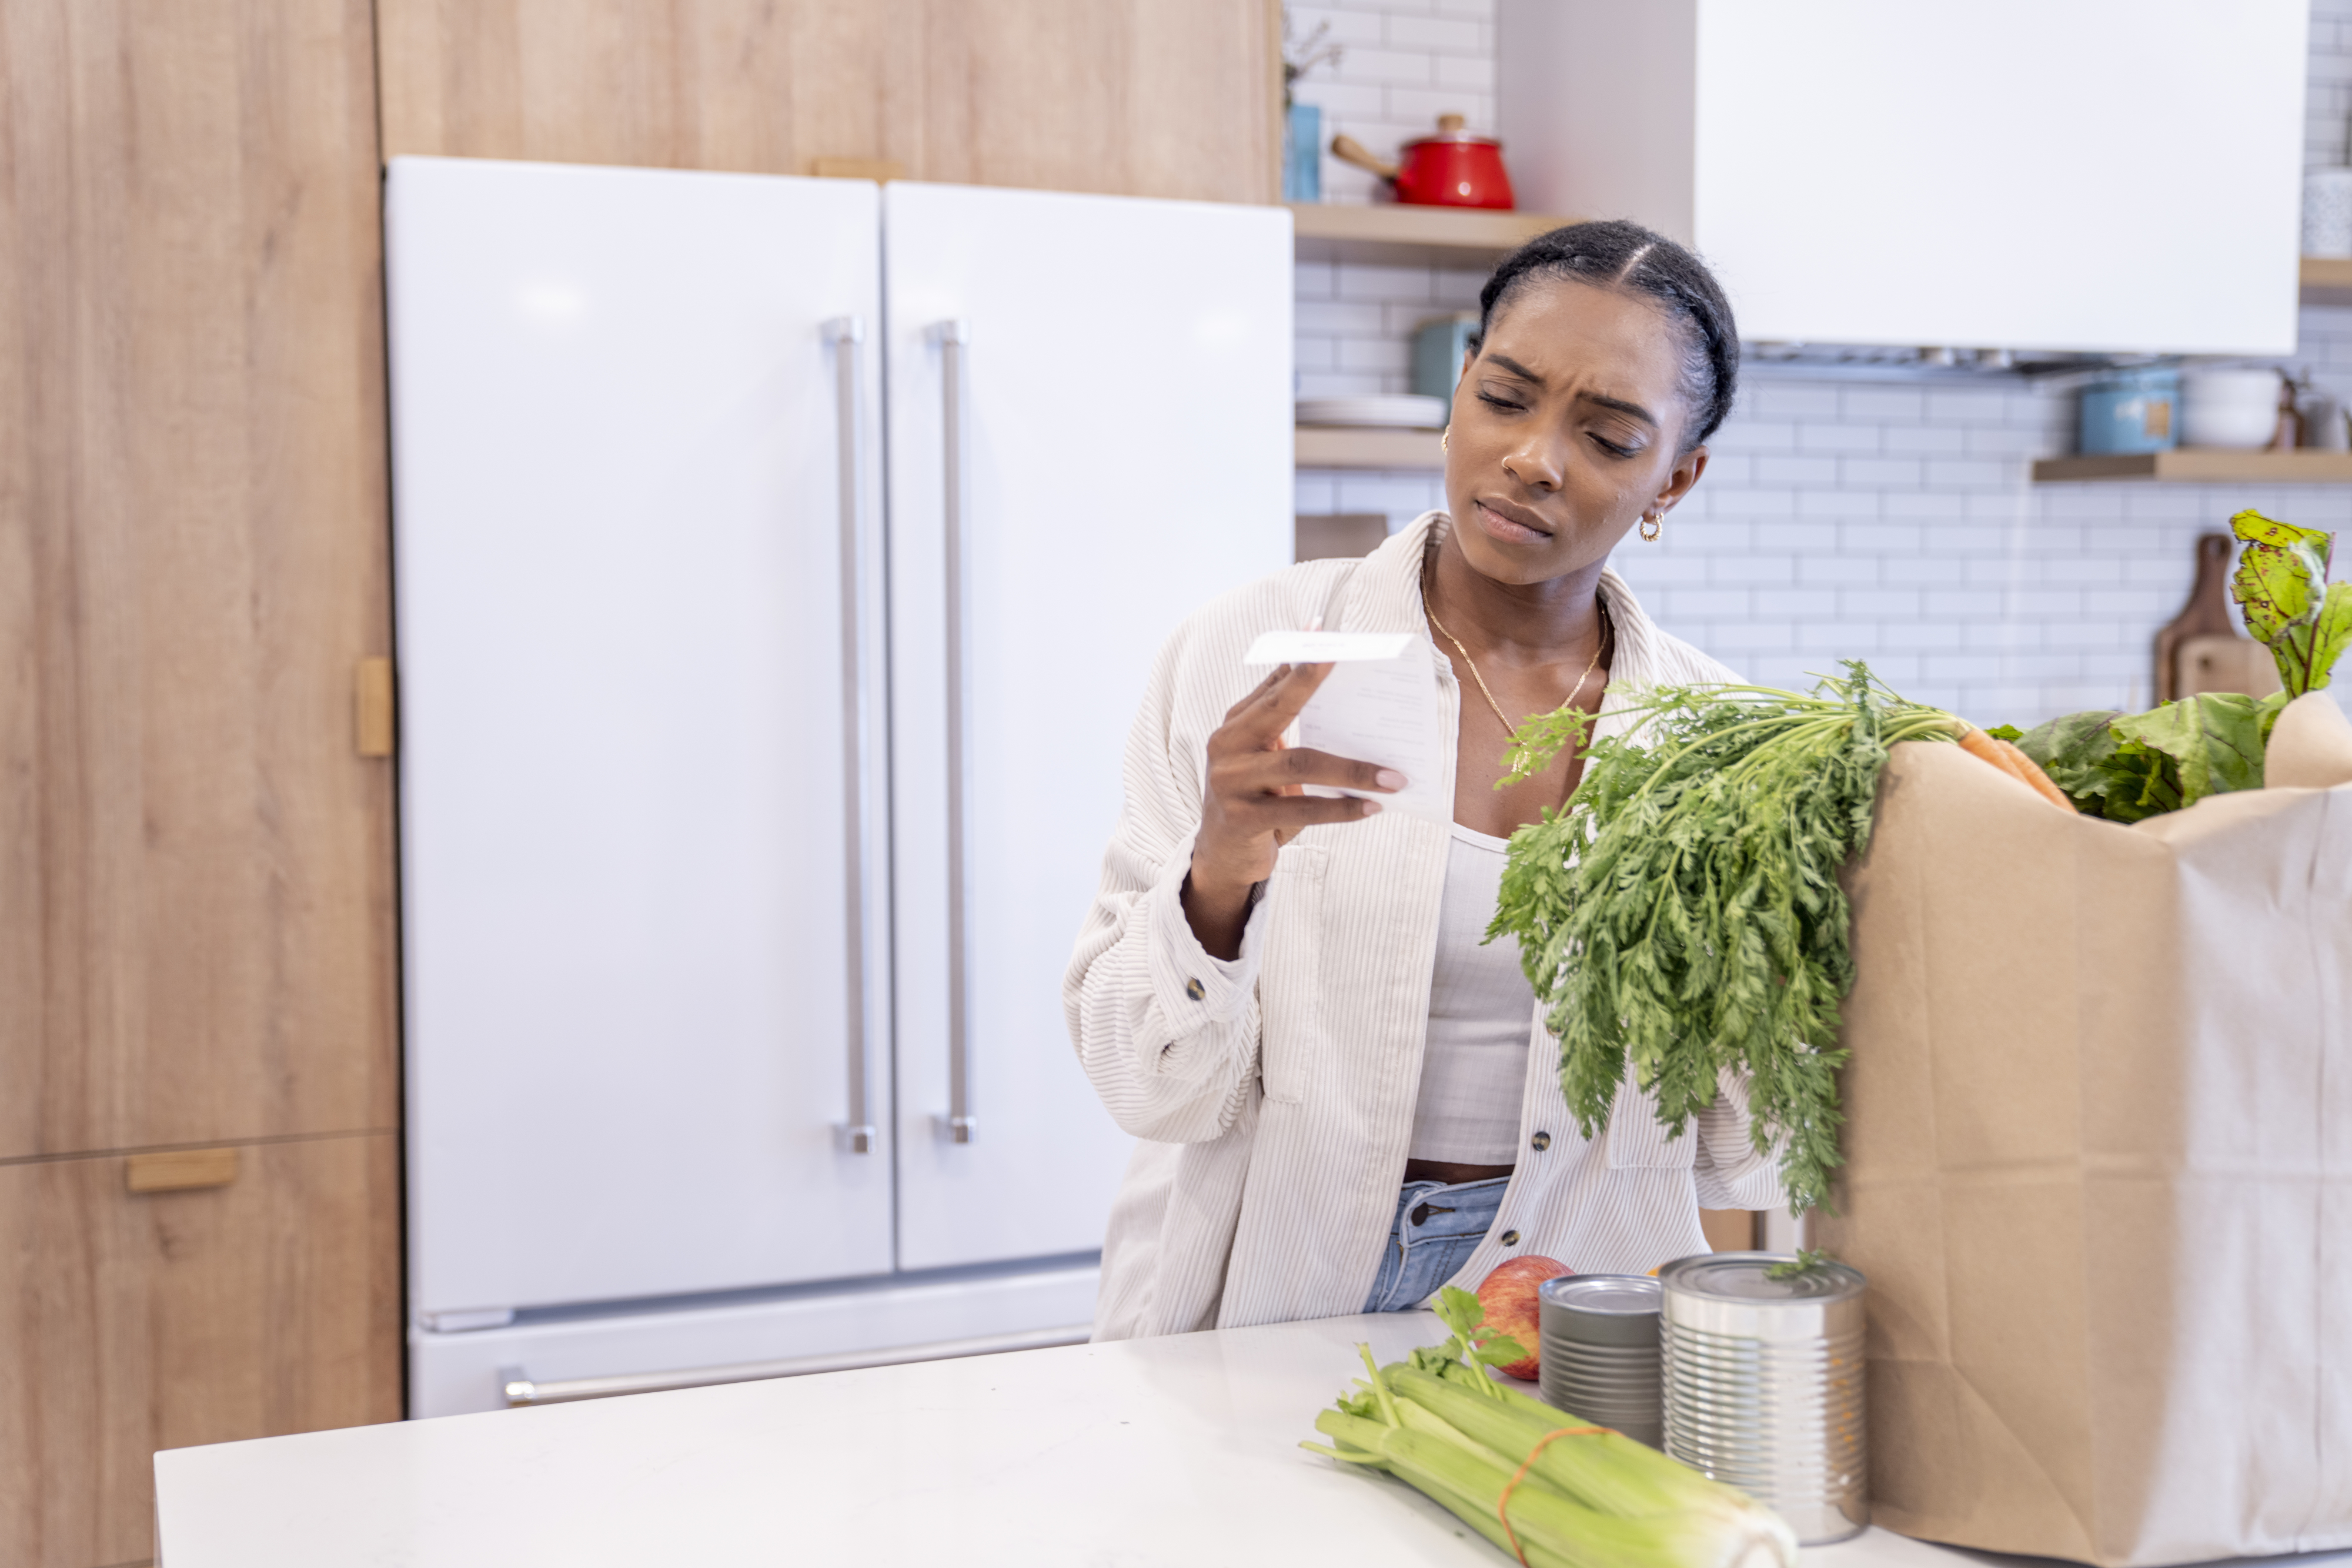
(2132, 410)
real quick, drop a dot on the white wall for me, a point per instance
(1890, 521)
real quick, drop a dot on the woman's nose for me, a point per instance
(1536, 465)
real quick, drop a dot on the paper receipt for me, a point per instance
(1379, 704)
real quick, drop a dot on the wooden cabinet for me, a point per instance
(196, 937)
(270, 1304)
(195, 866)
(1149, 98)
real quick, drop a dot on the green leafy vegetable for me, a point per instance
(2281, 581)
(1806, 1260)
(1538, 1482)
(1682, 915)
(2075, 750)
(1469, 1349)
(2213, 740)
(2127, 768)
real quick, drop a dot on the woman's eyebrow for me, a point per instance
(1504, 363)
(1621, 406)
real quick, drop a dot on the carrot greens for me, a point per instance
(1682, 917)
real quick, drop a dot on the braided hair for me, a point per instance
(1626, 256)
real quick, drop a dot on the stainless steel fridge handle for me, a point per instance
(952, 337)
(847, 336)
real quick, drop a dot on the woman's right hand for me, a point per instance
(1255, 802)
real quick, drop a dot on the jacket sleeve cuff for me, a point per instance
(1192, 987)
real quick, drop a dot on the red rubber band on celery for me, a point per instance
(1503, 1504)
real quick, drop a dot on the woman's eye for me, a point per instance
(1612, 448)
(1491, 401)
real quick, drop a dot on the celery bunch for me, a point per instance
(1591, 1499)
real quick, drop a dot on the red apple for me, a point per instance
(1513, 1308)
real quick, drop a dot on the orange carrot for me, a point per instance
(2005, 756)
(2031, 772)
(1978, 744)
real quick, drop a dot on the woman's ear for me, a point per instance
(1687, 470)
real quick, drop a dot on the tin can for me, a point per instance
(1763, 1386)
(1599, 1353)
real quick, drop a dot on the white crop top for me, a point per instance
(1481, 1012)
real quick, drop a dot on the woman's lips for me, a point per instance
(1506, 530)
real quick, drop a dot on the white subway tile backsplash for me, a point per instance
(1736, 638)
(1838, 438)
(1760, 570)
(1461, 72)
(1941, 636)
(1742, 434)
(1416, 108)
(1837, 570)
(1796, 538)
(1788, 400)
(1377, 355)
(1325, 320)
(1961, 605)
(1386, 283)
(1758, 504)
(1855, 603)
(1440, 35)
(1970, 406)
(1388, 67)
(1821, 471)
(1970, 474)
(1837, 503)
(1883, 405)
(1881, 473)
(1884, 520)
(1797, 603)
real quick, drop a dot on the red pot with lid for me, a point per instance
(1451, 169)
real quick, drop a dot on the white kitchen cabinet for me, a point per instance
(2117, 175)
(697, 759)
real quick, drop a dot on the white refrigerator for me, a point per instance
(778, 563)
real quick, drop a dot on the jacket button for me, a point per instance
(1542, 1141)
(1510, 1238)
(1194, 989)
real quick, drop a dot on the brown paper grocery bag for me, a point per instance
(2099, 1162)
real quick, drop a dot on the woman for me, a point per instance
(1346, 1099)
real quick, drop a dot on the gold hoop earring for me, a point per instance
(1653, 525)
(1443, 437)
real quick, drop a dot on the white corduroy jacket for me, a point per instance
(1274, 1093)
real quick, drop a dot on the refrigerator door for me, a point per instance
(644, 899)
(1106, 449)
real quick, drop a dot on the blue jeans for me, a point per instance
(1437, 1227)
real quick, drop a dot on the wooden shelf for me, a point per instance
(1395, 235)
(2328, 280)
(1367, 446)
(2205, 466)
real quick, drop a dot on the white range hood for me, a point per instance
(2106, 176)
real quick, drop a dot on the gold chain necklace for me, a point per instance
(1599, 604)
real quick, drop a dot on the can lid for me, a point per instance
(1615, 1294)
(1602, 1309)
(1747, 1277)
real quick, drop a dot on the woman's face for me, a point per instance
(1566, 427)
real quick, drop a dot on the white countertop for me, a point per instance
(1179, 1451)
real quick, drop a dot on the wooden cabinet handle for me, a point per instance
(372, 708)
(178, 1170)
